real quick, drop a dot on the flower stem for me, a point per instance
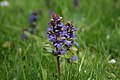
(58, 65)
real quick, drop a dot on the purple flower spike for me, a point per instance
(74, 58)
(62, 36)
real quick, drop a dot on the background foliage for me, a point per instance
(98, 31)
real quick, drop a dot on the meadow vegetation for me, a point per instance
(98, 32)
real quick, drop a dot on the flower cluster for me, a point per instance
(33, 19)
(62, 36)
(33, 23)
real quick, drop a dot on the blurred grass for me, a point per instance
(98, 31)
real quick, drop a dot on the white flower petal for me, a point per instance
(112, 61)
(4, 3)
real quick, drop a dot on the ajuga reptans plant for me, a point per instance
(32, 25)
(62, 37)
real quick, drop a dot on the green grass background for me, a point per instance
(98, 31)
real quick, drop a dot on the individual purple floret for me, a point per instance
(52, 38)
(74, 58)
(62, 36)
(33, 21)
(58, 45)
(63, 52)
(24, 36)
(33, 17)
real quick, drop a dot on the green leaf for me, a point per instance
(47, 48)
(11, 57)
(74, 62)
(44, 73)
(67, 55)
(73, 49)
(6, 44)
(32, 36)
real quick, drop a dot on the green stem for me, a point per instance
(58, 65)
